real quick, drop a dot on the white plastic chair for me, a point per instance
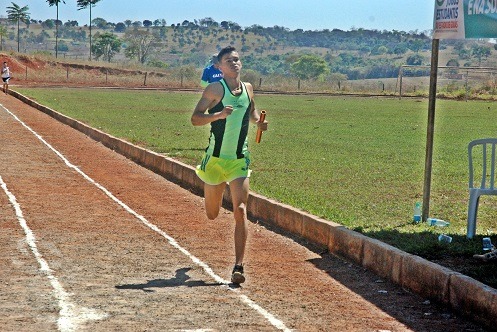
(487, 184)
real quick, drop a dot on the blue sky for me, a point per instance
(405, 15)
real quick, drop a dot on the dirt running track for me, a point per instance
(90, 241)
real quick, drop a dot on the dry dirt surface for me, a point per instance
(90, 241)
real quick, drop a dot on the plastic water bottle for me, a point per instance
(444, 238)
(487, 244)
(417, 212)
(437, 222)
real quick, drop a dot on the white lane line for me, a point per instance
(71, 316)
(245, 299)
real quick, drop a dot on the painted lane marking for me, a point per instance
(245, 299)
(71, 316)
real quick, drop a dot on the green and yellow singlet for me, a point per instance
(228, 137)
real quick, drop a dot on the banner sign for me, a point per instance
(460, 19)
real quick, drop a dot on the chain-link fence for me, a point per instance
(457, 82)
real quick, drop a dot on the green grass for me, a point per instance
(356, 161)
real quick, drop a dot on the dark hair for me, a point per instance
(226, 50)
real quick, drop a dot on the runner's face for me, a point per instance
(230, 63)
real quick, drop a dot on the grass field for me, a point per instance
(356, 161)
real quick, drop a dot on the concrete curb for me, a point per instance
(463, 294)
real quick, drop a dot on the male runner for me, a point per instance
(5, 77)
(228, 106)
(212, 73)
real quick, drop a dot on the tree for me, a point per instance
(382, 50)
(415, 60)
(3, 33)
(141, 44)
(416, 45)
(106, 46)
(71, 24)
(120, 27)
(464, 53)
(455, 64)
(208, 22)
(48, 24)
(56, 3)
(83, 4)
(400, 49)
(63, 46)
(452, 63)
(459, 45)
(225, 25)
(480, 51)
(309, 66)
(158, 23)
(99, 23)
(18, 14)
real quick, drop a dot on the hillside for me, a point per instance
(349, 55)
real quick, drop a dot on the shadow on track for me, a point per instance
(181, 278)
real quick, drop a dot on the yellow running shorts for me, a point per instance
(215, 170)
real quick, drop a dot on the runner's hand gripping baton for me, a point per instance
(259, 132)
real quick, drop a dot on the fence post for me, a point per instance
(67, 73)
(401, 72)
(106, 74)
(181, 79)
(299, 85)
(260, 82)
(26, 73)
(145, 80)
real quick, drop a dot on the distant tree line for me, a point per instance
(355, 54)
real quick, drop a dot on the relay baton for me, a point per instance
(259, 132)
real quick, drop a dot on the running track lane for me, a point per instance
(115, 265)
(70, 316)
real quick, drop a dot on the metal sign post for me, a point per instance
(430, 128)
